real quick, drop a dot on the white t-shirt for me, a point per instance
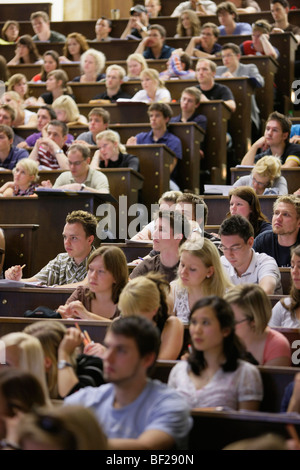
(261, 265)
(281, 317)
(225, 389)
(162, 95)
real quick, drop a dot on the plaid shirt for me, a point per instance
(63, 270)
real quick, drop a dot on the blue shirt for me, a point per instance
(199, 119)
(165, 52)
(158, 407)
(240, 28)
(169, 139)
(15, 154)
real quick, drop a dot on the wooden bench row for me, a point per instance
(87, 27)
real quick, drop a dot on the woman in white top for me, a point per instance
(265, 177)
(215, 375)
(153, 88)
(286, 313)
(200, 273)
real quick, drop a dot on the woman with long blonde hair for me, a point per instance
(200, 273)
(154, 89)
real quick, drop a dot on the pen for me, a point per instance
(22, 267)
(139, 257)
(87, 336)
(85, 340)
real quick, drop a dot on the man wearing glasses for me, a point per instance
(241, 263)
(80, 177)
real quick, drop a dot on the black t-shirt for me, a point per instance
(114, 98)
(48, 97)
(290, 149)
(125, 160)
(218, 92)
(267, 242)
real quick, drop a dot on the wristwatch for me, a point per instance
(62, 364)
(144, 28)
(82, 186)
(59, 151)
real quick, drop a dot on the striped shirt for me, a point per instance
(62, 270)
(47, 159)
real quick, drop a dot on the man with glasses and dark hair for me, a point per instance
(80, 177)
(241, 263)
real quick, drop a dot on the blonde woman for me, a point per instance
(76, 428)
(200, 274)
(136, 63)
(252, 311)
(24, 117)
(18, 83)
(148, 296)
(188, 24)
(24, 352)
(92, 63)
(67, 111)
(25, 179)
(265, 178)
(153, 90)
(111, 153)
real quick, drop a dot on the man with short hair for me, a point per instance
(40, 23)
(134, 411)
(205, 45)
(280, 11)
(205, 75)
(189, 103)
(70, 268)
(103, 27)
(99, 119)
(231, 68)
(50, 151)
(171, 230)
(153, 8)
(260, 43)
(153, 45)
(138, 23)
(275, 141)
(114, 78)
(285, 231)
(44, 115)
(7, 117)
(9, 155)
(241, 262)
(160, 115)
(81, 177)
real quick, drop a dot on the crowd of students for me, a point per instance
(62, 390)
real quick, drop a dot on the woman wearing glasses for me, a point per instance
(265, 177)
(252, 311)
(200, 274)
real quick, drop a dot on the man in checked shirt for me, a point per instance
(67, 269)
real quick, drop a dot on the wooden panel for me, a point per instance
(21, 11)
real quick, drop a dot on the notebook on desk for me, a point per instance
(217, 189)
